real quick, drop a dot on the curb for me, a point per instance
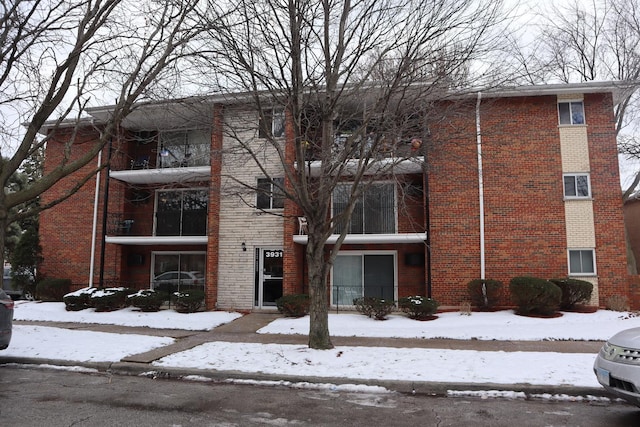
(531, 391)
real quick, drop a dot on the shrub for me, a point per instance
(484, 293)
(147, 300)
(110, 299)
(53, 289)
(574, 291)
(293, 305)
(377, 308)
(533, 295)
(188, 301)
(78, 300)
(417, 307)
(617, 303)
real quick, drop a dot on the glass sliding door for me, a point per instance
(363, 274)
(182, 212)
(347, 279)
(175, 271)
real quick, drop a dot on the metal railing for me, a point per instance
(343, 296)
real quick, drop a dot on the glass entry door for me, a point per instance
(268, 262)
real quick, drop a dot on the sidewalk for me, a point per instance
(243, 330)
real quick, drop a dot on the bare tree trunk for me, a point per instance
(319, 337)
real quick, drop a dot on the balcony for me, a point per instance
(158, 157)
(155, 169)
(397, 156)
(138, 229)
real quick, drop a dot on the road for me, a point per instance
(30, 396)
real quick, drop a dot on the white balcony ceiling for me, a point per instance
(162, 176)
(389, 165)
(157, 240)
(358, 239)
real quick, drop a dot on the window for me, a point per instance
(184, 148)
(270, 194)
(374, 210)
(271, 124)
(571, 113)
(582, 262)
(576, 186)
(182, 212)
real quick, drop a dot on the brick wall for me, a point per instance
(607, 207)
(523, 196)
(66, 230)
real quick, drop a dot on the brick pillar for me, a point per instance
(211, 292)
(293, 253)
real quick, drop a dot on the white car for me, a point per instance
(171, 281)
(617, 365)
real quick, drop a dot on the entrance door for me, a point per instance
(268, 276)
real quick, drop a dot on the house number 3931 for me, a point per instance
(273, 254)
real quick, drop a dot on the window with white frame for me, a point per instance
(269, 194)
(374, 209)
(577, 186)
(571, 113)
(582, 262)
(271, 124)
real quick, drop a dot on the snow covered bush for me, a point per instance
(147, 300)
(78, 300)
(110, 299)
(377, 308)
(188, 301)
(418, 307)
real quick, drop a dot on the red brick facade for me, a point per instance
(524, 232)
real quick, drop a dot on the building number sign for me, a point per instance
(273, 254)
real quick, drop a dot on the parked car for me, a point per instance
(7, 286)
(617, 366)
(15, 292)
(6, 319)
(171, 281)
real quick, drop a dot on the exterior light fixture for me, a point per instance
(244, 247)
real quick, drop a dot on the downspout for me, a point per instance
(425, 190)
(480, 187)
(94, 229)
(105, 208)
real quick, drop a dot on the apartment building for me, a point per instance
(519, 181)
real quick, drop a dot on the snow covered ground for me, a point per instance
(408, 364)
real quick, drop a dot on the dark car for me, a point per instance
(6, 319)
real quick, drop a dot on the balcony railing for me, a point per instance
(121, 161)
(188, 223)
(398, 149)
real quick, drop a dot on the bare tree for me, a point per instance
(59, 57)
(356, 80)
(589, 42)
